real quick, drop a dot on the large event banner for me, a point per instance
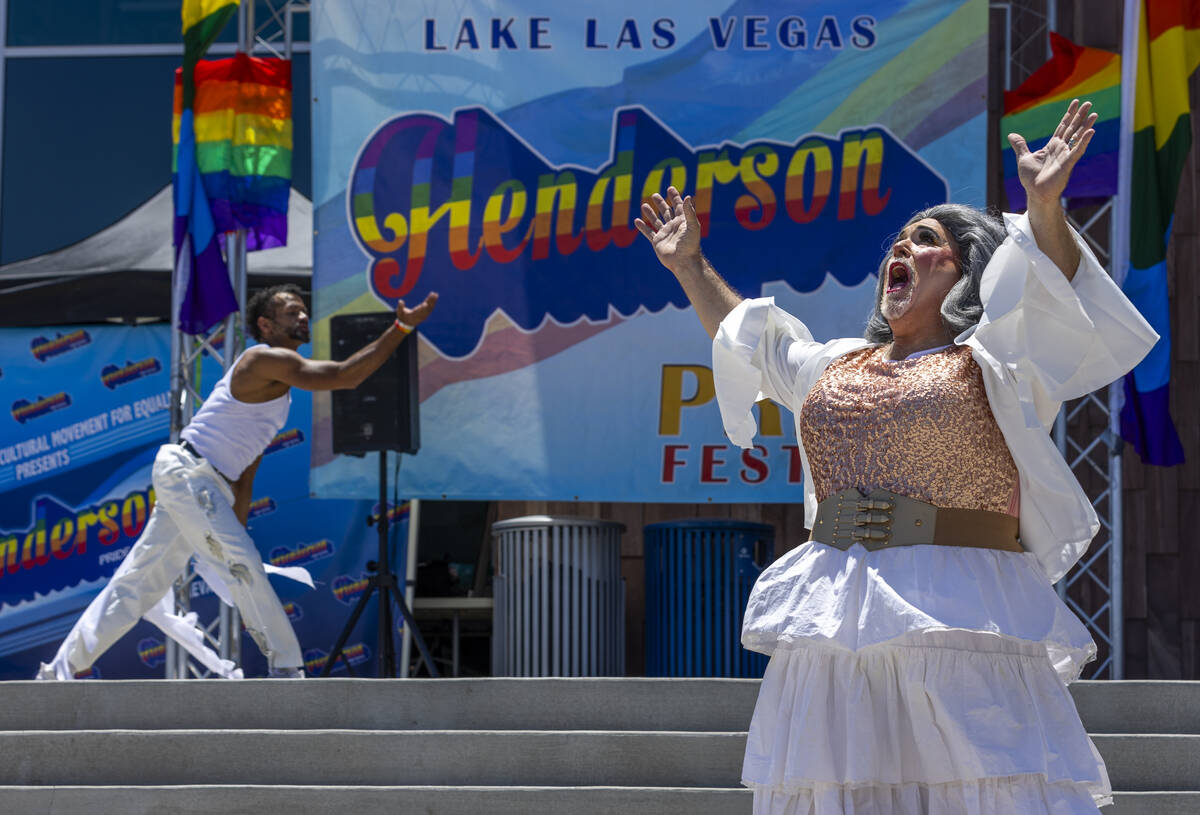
(75, 395)
(498, 152)
(85, 414)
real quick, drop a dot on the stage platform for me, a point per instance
(469, 746)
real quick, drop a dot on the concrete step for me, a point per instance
(425, 800)
(309, 800)
(1154, 803)
(1138, 706)
(578, 746)
(1158, 763)
(1147, 763)
(371, 704)
(492, 704)
(371, 758)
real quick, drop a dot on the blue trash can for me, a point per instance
(698, 577)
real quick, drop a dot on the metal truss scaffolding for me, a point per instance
(222, 343)
(1086, 429)
(1086, 434)
(1027, 26)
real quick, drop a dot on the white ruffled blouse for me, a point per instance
(1042, 340)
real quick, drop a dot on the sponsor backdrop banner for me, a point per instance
(85, 412)
(497, 152)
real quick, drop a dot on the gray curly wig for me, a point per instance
(976, 235)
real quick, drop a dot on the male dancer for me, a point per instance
(203, 485)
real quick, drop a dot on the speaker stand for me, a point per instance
(384, 580)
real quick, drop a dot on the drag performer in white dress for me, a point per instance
(203, 488)
(919, 653)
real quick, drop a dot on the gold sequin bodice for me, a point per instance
(921, 427)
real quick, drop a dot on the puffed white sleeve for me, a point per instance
(758, 353)
(1061, 338)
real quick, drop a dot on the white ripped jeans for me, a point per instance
(193, 515)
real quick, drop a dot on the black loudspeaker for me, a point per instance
(383, 412)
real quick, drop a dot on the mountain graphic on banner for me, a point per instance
(434, 202)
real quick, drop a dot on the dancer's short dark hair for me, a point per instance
(262, 304)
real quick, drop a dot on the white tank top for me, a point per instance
(229, 433)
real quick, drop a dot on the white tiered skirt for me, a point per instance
(921, 680)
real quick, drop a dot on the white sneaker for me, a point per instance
(45, 672)
(286, 673)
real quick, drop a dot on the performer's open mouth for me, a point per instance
(899, 277)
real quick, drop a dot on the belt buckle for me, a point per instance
(857, 518)
(872, 521)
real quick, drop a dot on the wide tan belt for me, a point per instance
(883, 519)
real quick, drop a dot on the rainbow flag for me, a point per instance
(203, 21)
(1168, 53)
(201, 282)
(1036, 107)
(242, 120)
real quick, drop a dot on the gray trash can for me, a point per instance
(559, 597)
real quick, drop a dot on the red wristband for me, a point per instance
(407, 329)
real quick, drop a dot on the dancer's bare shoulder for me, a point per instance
(266, 372)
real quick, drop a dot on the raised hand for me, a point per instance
(415, 316)
(672, 228)
(1044, 173)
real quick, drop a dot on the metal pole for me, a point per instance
(1120, 217)
(1116, 516)
(387, 654)
(229, 623)
(410, 580)
(237, 257)
(1051, 24)
(1007, 9)
(176, 662)
(246, 27)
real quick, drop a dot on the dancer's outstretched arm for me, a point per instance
(1044, 174)
(673, 230)
(266, 367)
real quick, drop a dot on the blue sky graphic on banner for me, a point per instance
(77, 492)
(498, 155)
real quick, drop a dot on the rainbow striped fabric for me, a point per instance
(1168, 54)
(242, 122)
(203, 21)
(1035, 108)
(201, 283)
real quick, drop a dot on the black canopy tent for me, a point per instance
(123, 272)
